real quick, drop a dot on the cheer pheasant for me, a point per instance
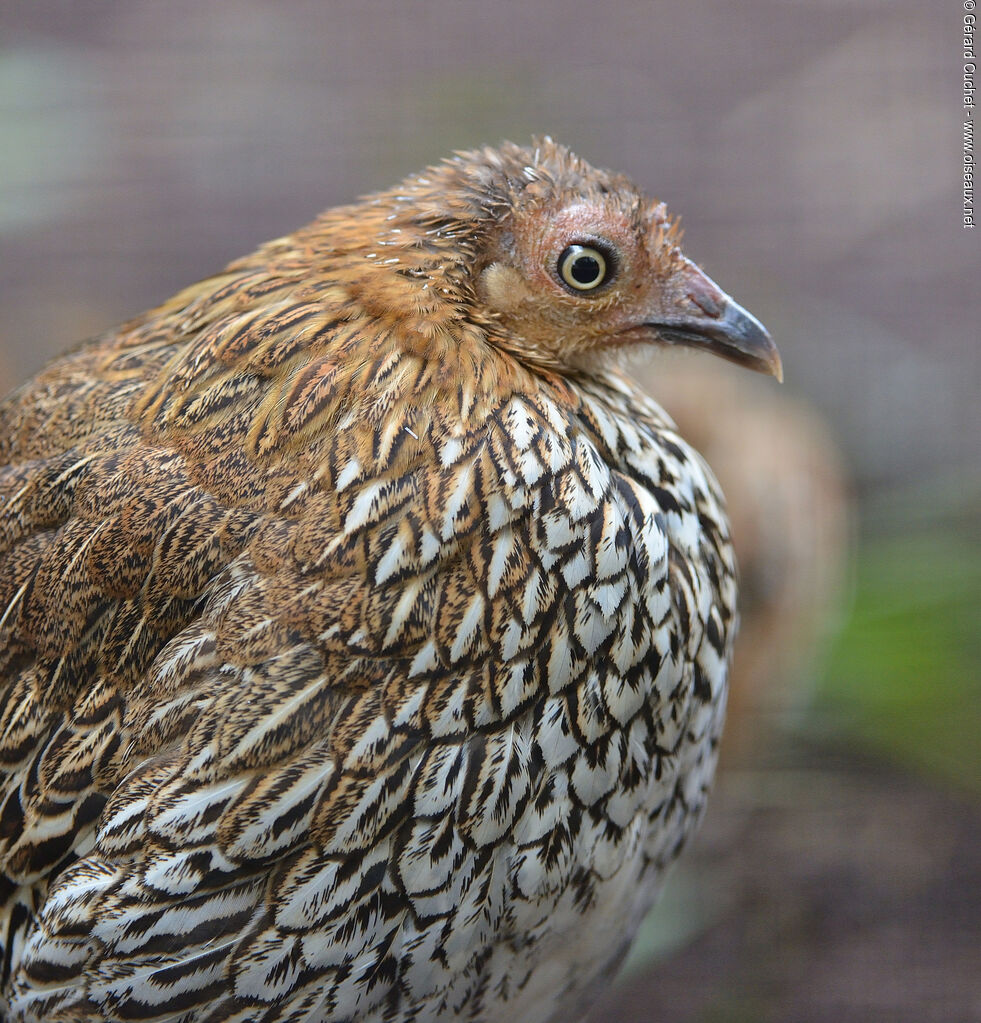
(363, 632)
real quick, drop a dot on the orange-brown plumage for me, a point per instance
(364, 634)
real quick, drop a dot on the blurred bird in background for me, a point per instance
(787, 496)
(364, 630)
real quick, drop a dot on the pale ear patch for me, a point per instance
(502, 287)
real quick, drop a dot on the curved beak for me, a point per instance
(704, 316)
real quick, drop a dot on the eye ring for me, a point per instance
(583, 267)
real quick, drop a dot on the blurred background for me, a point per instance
(814, 153)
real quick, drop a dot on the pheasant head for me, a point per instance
(555, 260)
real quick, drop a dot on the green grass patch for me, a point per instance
(905, 675)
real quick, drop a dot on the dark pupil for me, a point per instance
(585, 269)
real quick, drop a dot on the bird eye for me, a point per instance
(582, 267)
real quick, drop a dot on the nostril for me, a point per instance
(710, 303)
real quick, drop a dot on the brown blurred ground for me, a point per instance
(813, 150)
